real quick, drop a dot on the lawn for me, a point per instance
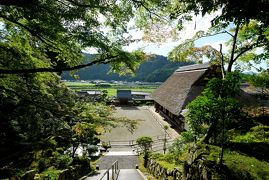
(109, 87)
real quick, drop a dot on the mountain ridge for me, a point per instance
(156, 69)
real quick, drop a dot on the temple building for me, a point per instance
(183, 86)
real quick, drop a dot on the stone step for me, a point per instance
(125, 161)
(130, 174)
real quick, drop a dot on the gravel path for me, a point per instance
(148, 126)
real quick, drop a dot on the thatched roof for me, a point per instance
(181, 87)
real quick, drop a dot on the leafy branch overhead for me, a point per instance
(245, 22)
(51, 35)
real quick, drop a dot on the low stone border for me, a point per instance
(160, 172)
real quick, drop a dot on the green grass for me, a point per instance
(144, 170)
(246, 167)
(241, 166)
(50, 173)
(78, 84)
(112, 90)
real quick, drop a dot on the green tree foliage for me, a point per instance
(249, 35)
(259, 80)
(49, 36)
(216, 109)
(39, 114)
(40, 117)
(145, 144)
(243, 46)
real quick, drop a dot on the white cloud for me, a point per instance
(199, 23)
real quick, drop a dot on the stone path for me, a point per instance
(97, 176)
(150, 124)
(172, 132)
(130, 174)
(126, 159)
(124, 174)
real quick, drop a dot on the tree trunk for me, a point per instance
(229, 69)
(210, 132)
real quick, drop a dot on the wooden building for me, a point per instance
(183, 86)
(124, 96)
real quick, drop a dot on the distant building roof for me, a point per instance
(94, 92)
(124, 94)
(181, 87)
(90, 93)
(140, 93)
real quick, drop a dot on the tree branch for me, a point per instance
(36, 70)
(149, 10)
(74, 2)
(36, 103)
(209, 35)
(34, 33)
(222, 62)
(19, 3)
(229, 69)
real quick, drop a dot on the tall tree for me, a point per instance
(249, 19)
(248, 44)
(49, 36)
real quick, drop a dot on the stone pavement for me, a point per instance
(172, 132)
(127, 161)
(97, 176)
(150, 124)
(130, 174)
(147, 125)
(124, 174)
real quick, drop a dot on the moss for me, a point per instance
(50, 173)
(144, 170)
(256, 134)
(245, 167)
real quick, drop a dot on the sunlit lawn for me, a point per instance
(112, 90)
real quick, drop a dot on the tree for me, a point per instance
(49, 36)
(244, 45)
(249, 35)
(216, 109)
(145, 144)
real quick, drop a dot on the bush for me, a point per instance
(145, 144)
(63, 162)
(83, 165)
(50, 173)
(43, 164)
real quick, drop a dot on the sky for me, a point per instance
(189, 30)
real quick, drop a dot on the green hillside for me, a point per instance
(156, 69)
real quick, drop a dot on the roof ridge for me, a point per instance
(193, 67)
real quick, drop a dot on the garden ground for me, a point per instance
(150, 124)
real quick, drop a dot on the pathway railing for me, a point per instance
(133, 142)
(112, 173)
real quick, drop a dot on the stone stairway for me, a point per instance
(127, 162)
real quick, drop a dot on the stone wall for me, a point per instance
(162, 173)
(196, 166)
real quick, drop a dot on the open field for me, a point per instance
(111, 88)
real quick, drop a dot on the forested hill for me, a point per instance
(156, 69)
